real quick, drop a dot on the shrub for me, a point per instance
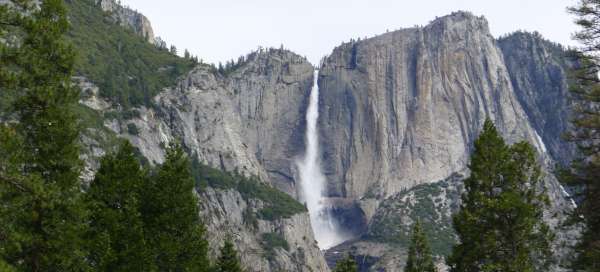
(132, 129)
(271, 241)
(277, 204)
(128, 69)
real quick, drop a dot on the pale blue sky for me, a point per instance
(218, 30)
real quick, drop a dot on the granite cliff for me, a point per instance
(401, 110)
(248, 120)
(538, 72)
(129, 18)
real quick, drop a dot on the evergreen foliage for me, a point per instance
(500, 226)
(170, 212)
(127, 68)
(277, 204)
(42, 215)
(347, 264)
(228, 260)
(271, 241)
(419, 254)
(585, 171)
(116, 231)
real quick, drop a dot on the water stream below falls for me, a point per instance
(313, 182)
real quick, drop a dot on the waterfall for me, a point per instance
(313, 182)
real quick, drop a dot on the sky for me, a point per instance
(220, 30)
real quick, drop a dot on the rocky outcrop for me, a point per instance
(248, 120)
(403, 108)
(129, 18)
(224, 213)
(384, 246)
(538, 70)
(251, 121)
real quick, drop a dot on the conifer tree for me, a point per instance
(116, 233)
(228, 260)
(585, 170)
(42, 215)
(173, 228)
(500, 226)
(348, 264)
(419, 254)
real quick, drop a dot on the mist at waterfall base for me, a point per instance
(312, 181)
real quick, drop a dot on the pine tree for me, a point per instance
(173, 228)
(116, 233)
(585, 171)
(347, 264)
(419, 254)
(500, 225)
(228, 260)
(42, 215)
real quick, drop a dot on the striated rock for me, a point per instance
(403, 108)
(399, 112)
(538, 71)
(251, 121)
(129, 18)
(223, 213)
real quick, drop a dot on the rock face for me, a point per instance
(223, 213)
(398, 115)
(251, 121)
(384, 247)
(403, 108)
(538, 72)
(129, 18)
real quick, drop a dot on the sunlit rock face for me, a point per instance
(250, 120)
(403, 108)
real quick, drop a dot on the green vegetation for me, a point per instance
(143, 221)
(228, 260)
(347, 264)
(128, 69)
(132, 129)
(271, 241)
(585, 171)
(131, 218)
(170, 211)
(116, 230)
(42, 216)
(428, 206)
(419, 254)
(500, 225)
(277, 204)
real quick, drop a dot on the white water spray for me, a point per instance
(312, 180)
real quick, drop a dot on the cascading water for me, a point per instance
(312, 180)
